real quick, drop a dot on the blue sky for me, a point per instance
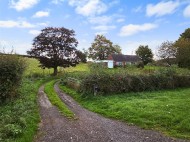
(128, 23)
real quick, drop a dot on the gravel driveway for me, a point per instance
(88, 127)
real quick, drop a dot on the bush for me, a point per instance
(121, 82)
(11, 70)
(140, 65)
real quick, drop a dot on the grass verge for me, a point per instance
(166, 111)
(55, 100)
(20, 118)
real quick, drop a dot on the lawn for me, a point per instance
(166, 111)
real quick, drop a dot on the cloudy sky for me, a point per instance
(129, 23)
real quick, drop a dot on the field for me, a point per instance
(166, 111)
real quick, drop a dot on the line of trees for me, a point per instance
(57, 47)
(176, 52)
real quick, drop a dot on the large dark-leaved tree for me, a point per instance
(101, 48)
(55, 47)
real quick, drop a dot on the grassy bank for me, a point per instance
(166, 111)
(55, 100)
(20, 118)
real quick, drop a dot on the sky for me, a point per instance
(128, 23)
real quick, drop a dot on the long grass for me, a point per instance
(165, 111)
(55, 100)
(20, 117)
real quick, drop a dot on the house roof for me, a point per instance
(125, 58)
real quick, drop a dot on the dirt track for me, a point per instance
(88, 127)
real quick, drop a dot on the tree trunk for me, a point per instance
(55, 71)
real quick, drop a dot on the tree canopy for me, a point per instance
(167, 51)
(145, 54)
(183, 49)
(82, 56)
(101, 48)
(55, 47)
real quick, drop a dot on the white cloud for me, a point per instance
(132, 29)
(162, 8)
(104, 27)
(43, 24)
(101, 33)
(186, 12)
(88, 7)
(100, 20)
(57, 1)
(132, 46)
(23, 4)
(34, 32)
(17, 24)
(41, 14)
(120, 20)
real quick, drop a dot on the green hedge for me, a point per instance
(11, 70)
(119, 83)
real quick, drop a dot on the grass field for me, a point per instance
(166, 111)
(34, 69)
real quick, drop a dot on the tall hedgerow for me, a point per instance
(121, 82)
(11, 71)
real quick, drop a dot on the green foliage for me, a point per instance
(185, 34)
(82, 56)
(145, 54)
(121, 81)
(166, 111)
(101, 48)
(167, 51)
(55, 100)
(55, 47)
(11, 71)
(183, 53)
(140, 65)
(20, 118)
(183, 49)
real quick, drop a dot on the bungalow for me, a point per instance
(122, 60)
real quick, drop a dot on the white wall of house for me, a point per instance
(110, 64)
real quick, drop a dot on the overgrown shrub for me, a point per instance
(140, 65)
(11, 70)
(121, 82)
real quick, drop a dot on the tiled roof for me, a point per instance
(125, 58)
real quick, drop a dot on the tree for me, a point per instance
(117, 48)
(101, 48)
(82, 56)
(55, 47)
(145, 54)
(183, 49)
(167, 51)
